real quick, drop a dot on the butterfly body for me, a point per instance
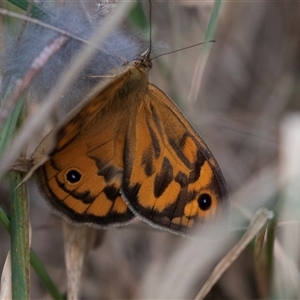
(127, 150)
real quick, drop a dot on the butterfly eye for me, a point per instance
(73, 176)
(204, 202)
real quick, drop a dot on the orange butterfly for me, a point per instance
(127, 150)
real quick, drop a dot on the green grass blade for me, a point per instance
(211, 28)
(19, 238)
(8, 129)
(213, 21)
(35, 12)
(4, 219)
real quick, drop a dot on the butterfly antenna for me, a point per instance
(150, 29)
(146, 54)
(188, 47)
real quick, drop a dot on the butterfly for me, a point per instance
(127, 151)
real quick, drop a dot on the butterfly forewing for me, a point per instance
(83, 177)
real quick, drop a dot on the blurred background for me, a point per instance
(241, 94)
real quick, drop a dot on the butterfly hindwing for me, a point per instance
(170, 177)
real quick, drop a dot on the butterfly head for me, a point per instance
(145, 60)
